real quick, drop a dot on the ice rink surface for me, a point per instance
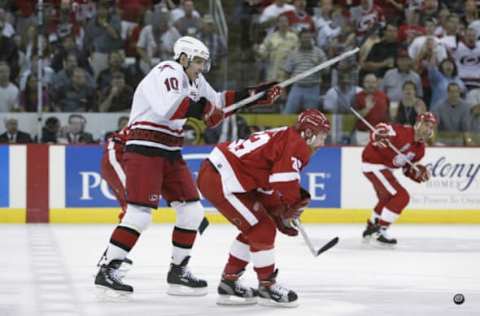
(48, 270)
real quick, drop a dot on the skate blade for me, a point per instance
(108, 295)
(181, 290)
(272, 303)
(382, 245)
(235, 300)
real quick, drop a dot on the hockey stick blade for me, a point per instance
(328, 245)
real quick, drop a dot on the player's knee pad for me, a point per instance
(189, 214)
(137, 217)
(262, 235)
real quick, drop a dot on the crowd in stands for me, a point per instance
(415, 55)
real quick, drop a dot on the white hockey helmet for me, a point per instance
(191, 47)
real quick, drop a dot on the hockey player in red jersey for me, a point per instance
(378, 160)
(255, 184)
(153, 166)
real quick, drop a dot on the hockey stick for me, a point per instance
(292, 80)
(309, 242)
(392, 147)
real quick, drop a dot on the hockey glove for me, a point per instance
(285, 226)
(272, 92)
(212, 116)
(382, 134)
(295, 210)
(420, 175)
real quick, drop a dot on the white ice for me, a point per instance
(48, 270)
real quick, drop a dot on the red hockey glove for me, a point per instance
(270, 96)
(295, 210)
(212, 116)
(381, 135)
(285, 226)
(420, 175)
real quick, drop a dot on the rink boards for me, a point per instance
(41, 183)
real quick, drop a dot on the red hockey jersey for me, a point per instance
(268, 160)
(403, 141)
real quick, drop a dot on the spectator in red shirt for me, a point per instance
(299, 18)
(373, 105)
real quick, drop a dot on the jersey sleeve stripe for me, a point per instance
(180, 110)
(284, 177)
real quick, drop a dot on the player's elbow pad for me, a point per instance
(189, 108)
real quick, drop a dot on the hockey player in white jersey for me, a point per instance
(153, 167)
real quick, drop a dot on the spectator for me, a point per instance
(121, 124)
(7, 30)
(9, 52)
(179, 12)
(341, 97)
(189, 24)
(67, 46)
(116, 62)
(74, 132)
(9, 93)
(381, 56)
(63, 23)
(471, 14)
(29, 96)
(276, 48)
(466, 56)
(63, 78)
(102, 36)
(453, 113)
(392, 9)
(373, 105)
(440, 77)
(328, 23)
(13, 135)
(50, 130)
(271, 13)
(410, 105)
(32, 70)
(77, 96)
(365, 16)
(473, 101)
(304, 93)
(299, 19)
(427, 45)
(118, 97)
(155, 43)
(217, 48)
(392, 83)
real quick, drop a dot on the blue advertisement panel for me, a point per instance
(322, 178)
(4, 176)
(85, 188)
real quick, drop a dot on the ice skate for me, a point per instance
(369, 231)
(270, 293)
(383, 238)
(109, 283)
(183, 283)
(232, 292)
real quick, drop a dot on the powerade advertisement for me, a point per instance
(5, 177)
(85, 187)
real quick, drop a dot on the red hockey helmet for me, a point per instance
(427, 117)
(310, 123)
(313, 120)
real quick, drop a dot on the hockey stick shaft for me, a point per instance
(309, 242)
(370, 126)
(292, 80)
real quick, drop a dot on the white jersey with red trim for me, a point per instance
(468, 62)
(158, 97)
(268, 160)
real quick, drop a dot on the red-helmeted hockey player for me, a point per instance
(378, 160)
(255, 184)
(152, 166)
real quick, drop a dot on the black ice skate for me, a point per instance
(270, 293)
(384, 239)
(182, 282)
(108, 279)
(124, 267)
(232, 292)
(369, 231)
